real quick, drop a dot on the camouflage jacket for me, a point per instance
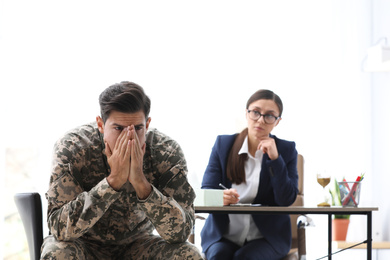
(81, 203)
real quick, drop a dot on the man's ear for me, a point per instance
(147, 123)
(100, 124)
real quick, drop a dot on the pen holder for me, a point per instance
(350, 193)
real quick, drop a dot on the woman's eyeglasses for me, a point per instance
(268, 119)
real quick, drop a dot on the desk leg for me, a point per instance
(329, 236)
(369, 235)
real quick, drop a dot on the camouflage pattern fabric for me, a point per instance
(145, 247)
(85, 212)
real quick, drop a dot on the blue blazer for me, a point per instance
(278, 187)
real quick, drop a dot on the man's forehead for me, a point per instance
(126, 119)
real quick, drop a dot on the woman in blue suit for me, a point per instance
(259, 168)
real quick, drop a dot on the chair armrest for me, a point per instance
(304, 221)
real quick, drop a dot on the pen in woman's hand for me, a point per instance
(221, 185)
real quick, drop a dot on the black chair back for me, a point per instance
(30, 210)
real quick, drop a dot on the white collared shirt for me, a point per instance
(241, 226)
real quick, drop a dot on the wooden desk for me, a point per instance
(301, 210)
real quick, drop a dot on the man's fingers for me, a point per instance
(108, 150)
(128, 150)
(136, 150)
(120, 139)
(125, 144)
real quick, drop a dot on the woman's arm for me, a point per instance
(284, 176)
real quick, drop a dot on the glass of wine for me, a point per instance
(324, 179)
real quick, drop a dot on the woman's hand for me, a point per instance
(230, 196)
(267, 145)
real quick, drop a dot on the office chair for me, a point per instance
(30, 210)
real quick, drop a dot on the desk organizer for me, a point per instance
(350, 193)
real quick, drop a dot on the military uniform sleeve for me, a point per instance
(170, 205)
(72, 211)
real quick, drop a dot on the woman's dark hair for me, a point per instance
(235, 169)
(266, 94)
(125, 97)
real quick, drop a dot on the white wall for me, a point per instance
(380, 90)
(199, 62)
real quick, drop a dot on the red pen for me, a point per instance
(346, 185)
(353, 190)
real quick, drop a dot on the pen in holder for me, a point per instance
(350, 193)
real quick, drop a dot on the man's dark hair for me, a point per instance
(125, 97)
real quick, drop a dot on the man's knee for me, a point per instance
(54, 249)
(155, 247)
(187, 251)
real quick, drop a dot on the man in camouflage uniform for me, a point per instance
(114, 181)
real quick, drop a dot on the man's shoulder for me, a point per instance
(82, 130)
(83, 135)
(155, 138)
(162, 148)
